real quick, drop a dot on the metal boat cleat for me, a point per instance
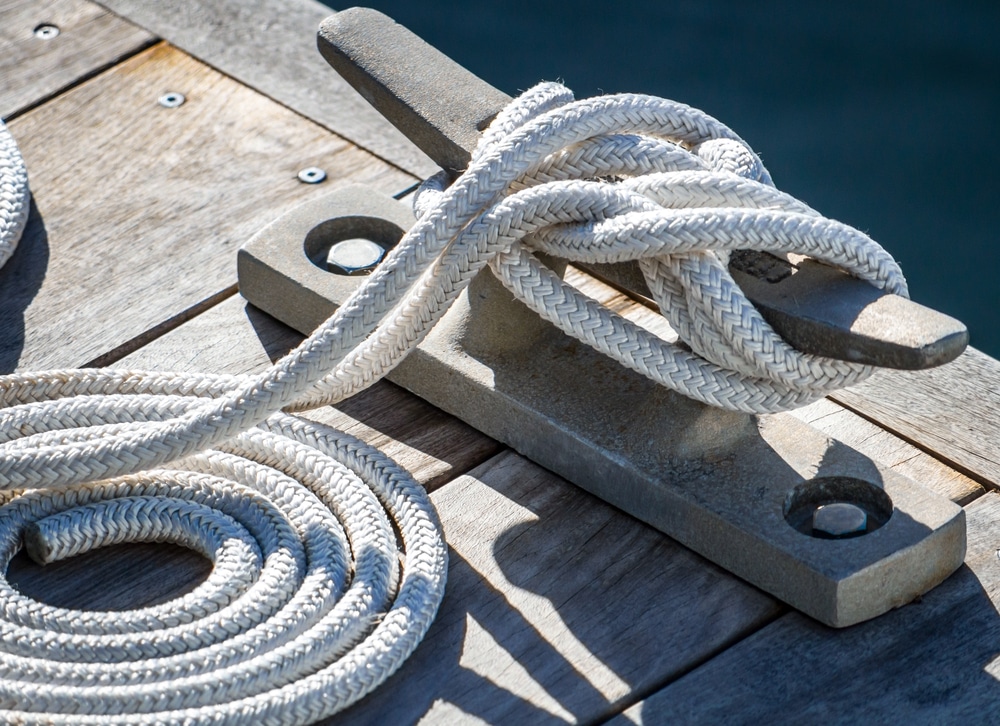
(751, 493)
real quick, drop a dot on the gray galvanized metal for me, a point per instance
(732, 487)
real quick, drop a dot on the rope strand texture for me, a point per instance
(306, 609)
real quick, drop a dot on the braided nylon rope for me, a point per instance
(310, 603)
(14, 198)
(287, 629)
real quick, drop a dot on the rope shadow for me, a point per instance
(145, 574)
(435, 672)
(20, 280)
(644, 609)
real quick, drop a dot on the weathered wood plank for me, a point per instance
(935, 661)
(953, 411)
(558, 605)
(825, 415)
(140, 209)
(877, 443)
(235, 337)
(909, 404)
(33, 69)
(270, 45)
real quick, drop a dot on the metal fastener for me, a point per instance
(171, 100)
(839, 519)
(354, 256)
(46, 31)
(312, 175)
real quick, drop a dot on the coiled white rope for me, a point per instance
(14, 197)
(310, 603)
(285, 631)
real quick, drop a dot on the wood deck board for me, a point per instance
(139, 209)
(568, 586)
(951, 411)
(32, 69)
(557, 607)
(117, 577)
(910, 405)
(900, 456)
(271, 46)
(936, 661)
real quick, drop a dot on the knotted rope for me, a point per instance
(212, 461)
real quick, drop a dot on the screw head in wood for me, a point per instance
(840, 519)
(312, 175)
(171, 100)
(46, 31)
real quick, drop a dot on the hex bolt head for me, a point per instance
(839, 519)
(171, 100)
(46, 31)
(312, 175)
(354, 256)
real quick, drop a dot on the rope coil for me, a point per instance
(307, 608)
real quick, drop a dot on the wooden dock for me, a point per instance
(559, 608)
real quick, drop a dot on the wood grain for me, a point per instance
(935, 661)
(139, 209)
(900, 456)
(919, 407)
(953, 411)
(32, 69)
(234, 337)
(270, 45)
(557, 607)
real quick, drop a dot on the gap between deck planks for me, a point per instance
(33, 69)
(953, 411)
(139, 209)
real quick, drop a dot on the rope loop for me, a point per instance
(637, 178)
(314, 599)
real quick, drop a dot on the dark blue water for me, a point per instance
(883, 115)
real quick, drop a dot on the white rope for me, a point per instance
(285, 630)
(14, 197)
(310, 603)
